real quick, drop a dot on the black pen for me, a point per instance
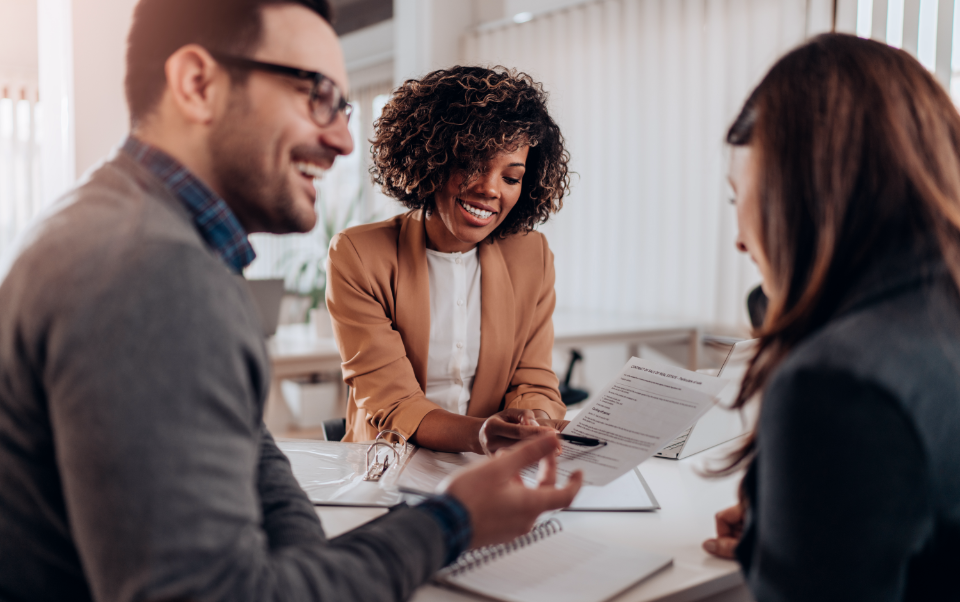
(581, 440)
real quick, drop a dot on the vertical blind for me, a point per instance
(643, 91)
(19, 161)
(924, 28)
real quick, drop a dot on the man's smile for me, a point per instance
(311, 170)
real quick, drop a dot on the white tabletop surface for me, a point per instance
(688, 503)
(293, 340)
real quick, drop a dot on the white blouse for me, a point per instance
(454, 328)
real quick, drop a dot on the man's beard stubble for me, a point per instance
(263, 202)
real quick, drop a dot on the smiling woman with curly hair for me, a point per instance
(454, 122)
(443, 315)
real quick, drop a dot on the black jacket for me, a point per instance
(855, 490)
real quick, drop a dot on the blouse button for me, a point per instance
(459, 301)
(459, 345)
(459, 261)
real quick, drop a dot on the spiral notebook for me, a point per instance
(551, 565)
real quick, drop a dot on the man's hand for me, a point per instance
(729, 530)
(501, 507)
(505, 428)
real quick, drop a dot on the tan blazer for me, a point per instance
(378, 294)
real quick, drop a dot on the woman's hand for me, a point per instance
(729, 530)
(541, 418)
(505, 428)
(557, 425)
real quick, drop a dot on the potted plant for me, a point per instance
(305, 267)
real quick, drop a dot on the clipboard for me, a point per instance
(346, 474)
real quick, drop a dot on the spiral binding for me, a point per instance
(472, 559)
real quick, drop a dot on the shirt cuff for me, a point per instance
(454, 522)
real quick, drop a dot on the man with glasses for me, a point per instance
(133, 460)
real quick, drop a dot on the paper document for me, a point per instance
(644, 409)
(427, 469)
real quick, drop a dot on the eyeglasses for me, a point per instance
(326, 99)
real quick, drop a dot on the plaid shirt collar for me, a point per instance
(217, 224)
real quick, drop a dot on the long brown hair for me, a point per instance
(858, 151)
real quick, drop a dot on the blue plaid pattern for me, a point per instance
(217, 224)
(454, 522)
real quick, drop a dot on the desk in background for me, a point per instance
(296, 352)
(581, 328)
(689, 502)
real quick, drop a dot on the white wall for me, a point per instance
(55, 66)
(20, 148)
(18, 40)
(428, 35)
(99, 44)
(368, 53)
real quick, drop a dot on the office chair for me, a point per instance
(568, 394)
(757, 307)
(335, 429)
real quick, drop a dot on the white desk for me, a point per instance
(296, 351)
(580, 328)
(688, 504)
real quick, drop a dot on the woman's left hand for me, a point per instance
(729, 530)
(510, 426)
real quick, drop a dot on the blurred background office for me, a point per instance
(642, 89)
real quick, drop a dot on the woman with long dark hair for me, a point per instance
(444, 315)
(846, 170)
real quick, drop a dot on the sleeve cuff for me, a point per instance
(406, 418)
(530, 401)
(454, 521)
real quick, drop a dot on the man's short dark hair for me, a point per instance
(161, 27)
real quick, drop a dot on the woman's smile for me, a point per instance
(466, 212)
(475, 213)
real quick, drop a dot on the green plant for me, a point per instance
(305, 266)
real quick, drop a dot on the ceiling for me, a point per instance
(351, 15)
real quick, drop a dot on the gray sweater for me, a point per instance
(133, 460)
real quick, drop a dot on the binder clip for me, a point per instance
(380, 462)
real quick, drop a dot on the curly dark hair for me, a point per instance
(453, 121)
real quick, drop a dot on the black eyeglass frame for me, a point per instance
(343, 106)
